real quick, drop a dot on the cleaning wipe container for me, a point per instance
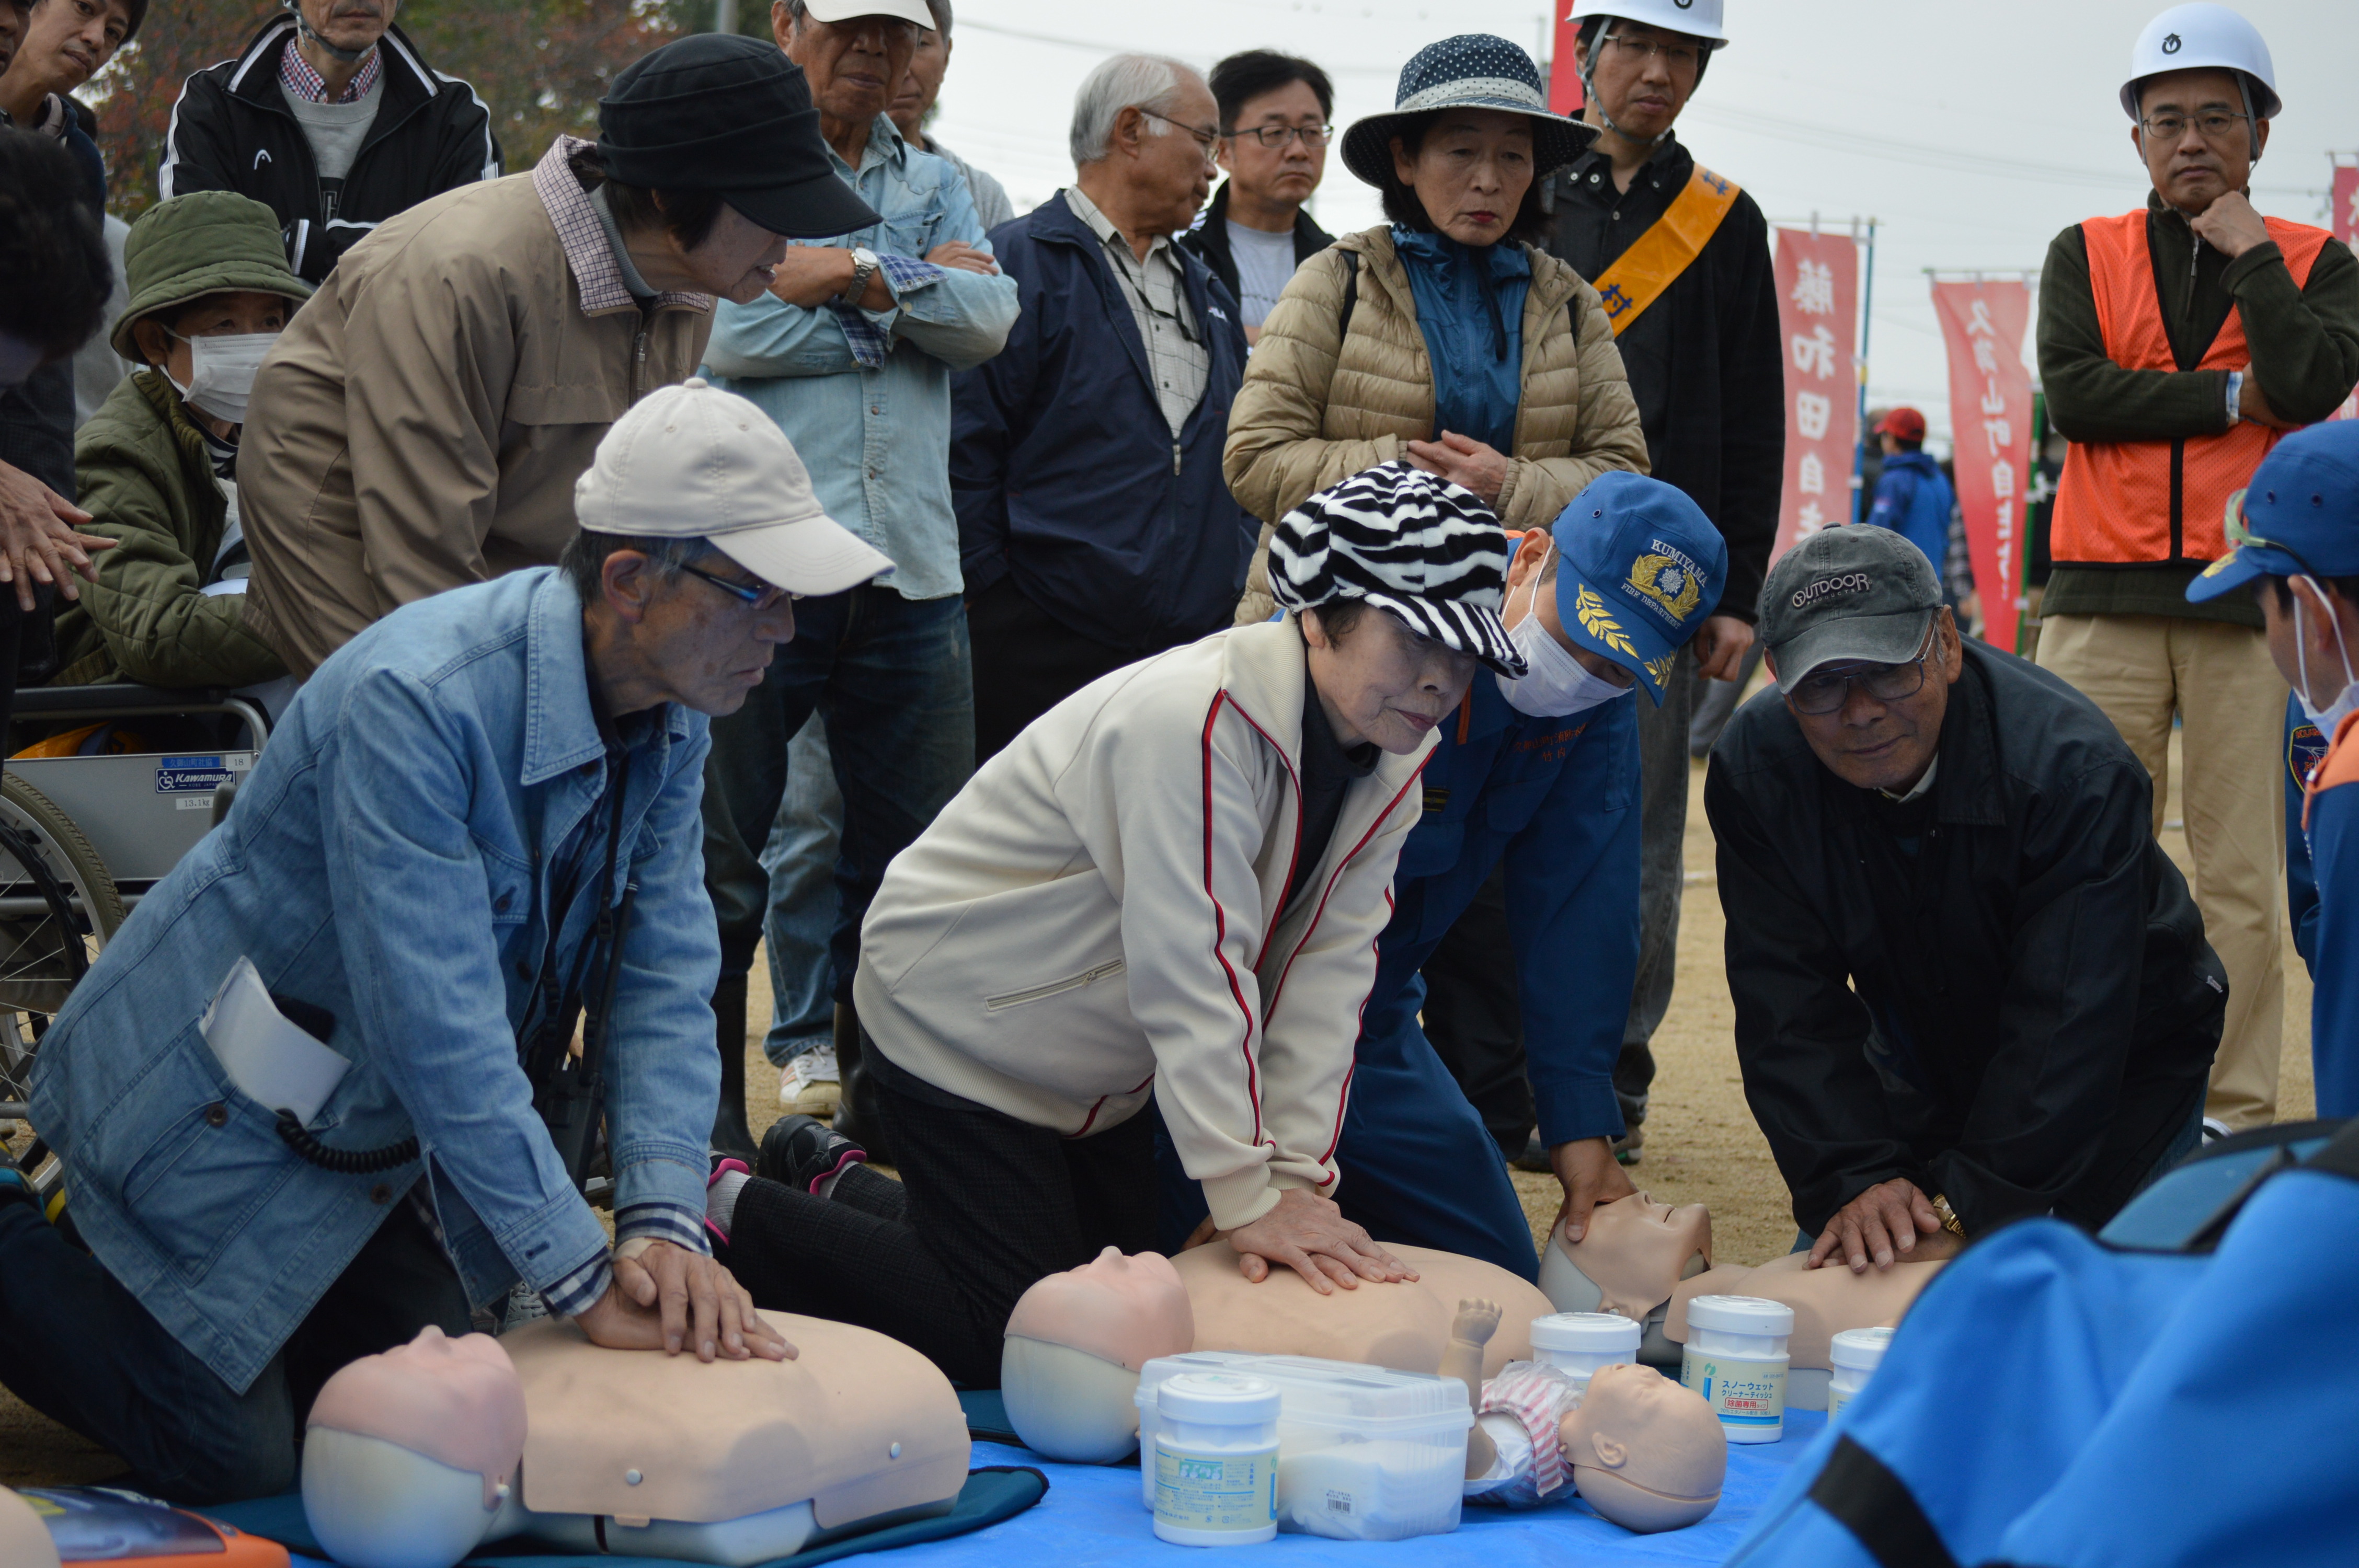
(1856, 1353)
(1364, 1454)
(1578, 1343)
(1215, 1460)
(1736, 1358)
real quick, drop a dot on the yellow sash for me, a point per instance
(1651, 265)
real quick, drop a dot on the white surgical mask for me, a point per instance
(2329, 717)
(221, 371)
(1555, 684)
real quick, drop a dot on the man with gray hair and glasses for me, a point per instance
(1085, 460)
(1970, 986)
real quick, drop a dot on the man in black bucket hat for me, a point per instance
(1970, 987)
(505, 327)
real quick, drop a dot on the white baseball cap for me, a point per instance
(845, 10)
(693, 461)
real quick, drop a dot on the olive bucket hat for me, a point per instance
(206, 242)
(1472, 70)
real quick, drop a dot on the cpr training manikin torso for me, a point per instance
(414, 1457)
(1630, 1262)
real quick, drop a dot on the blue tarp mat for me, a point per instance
(1092, 1516)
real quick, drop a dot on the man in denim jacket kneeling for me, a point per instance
(421, 868)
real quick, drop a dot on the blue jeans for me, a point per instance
(78, 1347)
(799, 860)
(893, 680)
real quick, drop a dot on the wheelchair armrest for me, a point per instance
(53, 701)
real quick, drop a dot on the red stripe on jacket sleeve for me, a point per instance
(1220, 930)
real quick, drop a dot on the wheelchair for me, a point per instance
(85, 836)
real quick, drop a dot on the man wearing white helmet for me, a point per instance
(2177, 344)
(1680, 259)
(478, 819)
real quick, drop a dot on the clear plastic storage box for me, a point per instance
(1363, 1454)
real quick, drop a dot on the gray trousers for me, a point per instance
(1662, 872)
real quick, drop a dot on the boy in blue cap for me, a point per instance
(2296, 532)
(1541, 773)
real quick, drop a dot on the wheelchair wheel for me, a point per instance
(58, 908)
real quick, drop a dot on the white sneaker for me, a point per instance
(807, 1086)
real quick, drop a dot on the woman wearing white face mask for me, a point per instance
(209, 291)
(1539, 774)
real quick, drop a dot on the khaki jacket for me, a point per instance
(1318, 407)
(424, 417)
(1094, 918)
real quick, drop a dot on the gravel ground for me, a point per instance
(1702, 1145)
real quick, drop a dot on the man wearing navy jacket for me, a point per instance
(1094, 526)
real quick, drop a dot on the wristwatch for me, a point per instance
(863, 267)
(1948, 1216)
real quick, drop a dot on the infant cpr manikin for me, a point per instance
(1630, 1262)
(409, 1456)
(1076, 1340)
(1825, 1302)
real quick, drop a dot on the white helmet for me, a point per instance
(1697, 18)
(2202, 36)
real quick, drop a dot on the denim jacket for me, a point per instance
(865, 396)
(388, 860)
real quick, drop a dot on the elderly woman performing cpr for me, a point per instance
(1170, 885)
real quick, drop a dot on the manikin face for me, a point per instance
(1383, 682)
(1659, 1440)
(1637, 1250)
(456, 1401)
(1126, 1310)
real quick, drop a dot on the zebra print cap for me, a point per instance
(1406, 541)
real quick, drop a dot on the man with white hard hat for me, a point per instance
(1680, 259)
(2177, 344)
(322, 1090)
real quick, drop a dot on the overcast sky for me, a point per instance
(1974, 133)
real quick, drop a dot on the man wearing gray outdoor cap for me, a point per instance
(1970, 987)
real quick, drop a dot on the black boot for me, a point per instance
(856, 1115)
(731, 1136)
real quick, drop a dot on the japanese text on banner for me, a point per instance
(1990, 420)
(1818, 316)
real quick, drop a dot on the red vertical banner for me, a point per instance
(2342, 217)
(1564, 65)
(1990, 424)
(1818, 317)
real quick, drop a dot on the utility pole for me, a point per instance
(725, 16)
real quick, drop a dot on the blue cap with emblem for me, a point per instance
(2299, 517)
(1643, 566)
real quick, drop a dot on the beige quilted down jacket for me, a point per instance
(1317, 407)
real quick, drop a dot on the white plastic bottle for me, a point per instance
(1216, 1460)
(1578, 1343)
(1736, 1358)
(1855, 1354)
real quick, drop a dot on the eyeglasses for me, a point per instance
(2214, 125)
(1277, 136)
(1817, 695)
(754, 595)
(1209, 141)
(1678, 57)
(2239, 534)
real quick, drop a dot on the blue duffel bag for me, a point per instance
(2182, 1388)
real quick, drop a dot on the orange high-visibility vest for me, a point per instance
(2129, 502)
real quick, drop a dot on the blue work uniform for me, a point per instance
(2331, 821)
(2305, 748)
(1913, 498)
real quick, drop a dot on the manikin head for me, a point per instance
(1075, 1344)
(1645, 1453)
(1635, 1254)
(409, 1453)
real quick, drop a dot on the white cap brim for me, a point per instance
(915, 11)
(811, 555)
